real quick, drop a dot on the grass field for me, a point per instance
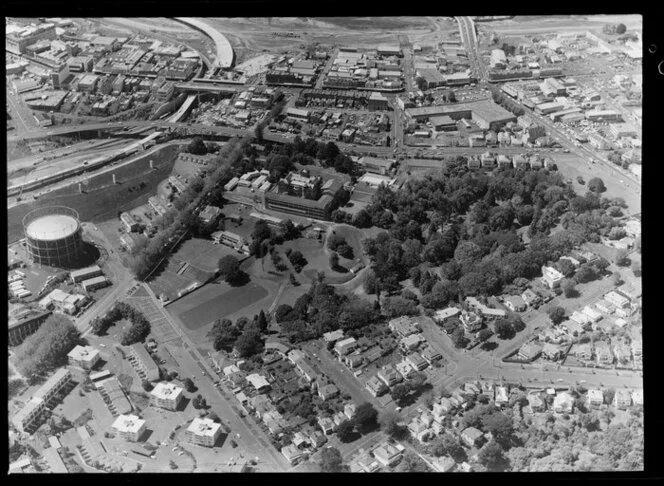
(102, 200)
(376, 23)
(215, 300)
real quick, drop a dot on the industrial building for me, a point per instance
(85, 273)
(486, 114)
(53, 236)
(95, 283)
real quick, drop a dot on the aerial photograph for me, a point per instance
(324, 244)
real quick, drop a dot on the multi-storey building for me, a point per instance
(166, 395)
(203, 431)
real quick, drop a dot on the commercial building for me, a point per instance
(85, 357)
(129, 427)
(376, 165)
(203, 432)
(95, 283)
(604, 115)
(144, 362)
(18, 41)
(166, 395)
(377, 101)
(21, 326)
(486, 114)
(85, 273)
(443, 123)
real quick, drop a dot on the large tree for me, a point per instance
(492, 457)
(366, 418)
(556, 314)
(596, 185)
(331, 461)
(249, 343)
(229, 267)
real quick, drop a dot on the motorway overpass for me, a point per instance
(225, 54)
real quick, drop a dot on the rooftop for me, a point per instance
(166, 391)
(128, 423)
(204, 427)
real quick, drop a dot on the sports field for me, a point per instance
(215, 300)
(103, 199)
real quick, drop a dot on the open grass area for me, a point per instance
(214, 301)
(376, 23)
(102, 199)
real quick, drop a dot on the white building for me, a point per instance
(203, 431)
(129, 427)
(166, 395)
(85, 357)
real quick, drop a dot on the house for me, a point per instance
(471, 388)
(622, 399)
(295, 355)
(85, 357)
(353, 360)
(442, 315)
(274, 422)
(317, 439)
(405, 369)
(487, 389)
(334, 336)
(416, 361)
(327, 425)
(563, 403)
(502, 395)
(209, 214)
(388, 454)
(616, 299)
(515, 303)
(389, 375)
(472, 437)
(536, 403)
(595, 397)
(580, 318)
(411, 342)
(530, 297)
(306, 370)
(345, 346)
(605, 307)
(603, 353)
(592, 314)
(129, 427)
(443, 464)
(339, 418)
(259, 382)
(551, 351)
(403, 326)
(583, 351)
(376, 387)
(349, 410)
(261, 405)
(419, 430)
(443, 407)
(327, 391)
(529, 351)
(551, 277)
(572, 328)
(637, 398)
(471, 321)
(292, 454)
(431, 355)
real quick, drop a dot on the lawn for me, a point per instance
(215, 300)
(102, 200)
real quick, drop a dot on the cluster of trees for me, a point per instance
(244, 335)
(229, 268)
(365, 420)
(263, 238)
(137, 332)
(614, 29)
(182, 218)
(297, 259)
(321, 310)
(199, 402)
(508, 327)
(47, 348)
(407, 392)
(507, 103)
(338, 244)
(481, 253)
(198, 147)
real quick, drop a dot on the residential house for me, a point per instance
(572, 328)
(295, 355)
(595, 397)
(345, 346)
(529, 351)
(389, 375)
(603, 353)
(431, 355)
(551, 277)
(376, 387)
(349, 410)
(333, 336)
(605, 307)
(403, 326)
(487, 389)
(552, 351)
(472, 322)
(637, 397)
(583, 351)
(472, 389)
(530, 297)
(580, 317)
(339, 418)
(327, 425)
(328, 391)
(536, 403)
(616, 299)
(259, 382)
(292, 454)
(274, 422)
(563, 403)
(622, 399)
(472, 437)
(416, 361)
(442, 315)
(442, 408)
(306, 370)
(409, 343)
(419, 429)
(592, 314)
(502, 395)
(405, 369)
(317, 438)
(443, 464)
(388, 454)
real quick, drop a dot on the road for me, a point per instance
(21, 115)
(252, 438)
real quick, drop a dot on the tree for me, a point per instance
(398, 306)
(229, 267)
(331, 461)
(585, 274)
(224, 334)
(391, 423)
(197, 146)
(334, 260)
(411, 462)
(500, 426)
(617, 279)
(484, 334)
(400, 392)
(261, 231)
(366, 418)
(569, 287)
(621, 259)
(249, 343)
(492, 457)
(596, 185)
(189, 385)
(621, 29)
(362, 219)
(565, 267)
(147, 386)
(636, 268)
(503, 329)
(346, 432)
(447, 444)
(261, 321)
(557, 315)
(297, 260)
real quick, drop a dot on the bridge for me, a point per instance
(225, 54)
(207, 87)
